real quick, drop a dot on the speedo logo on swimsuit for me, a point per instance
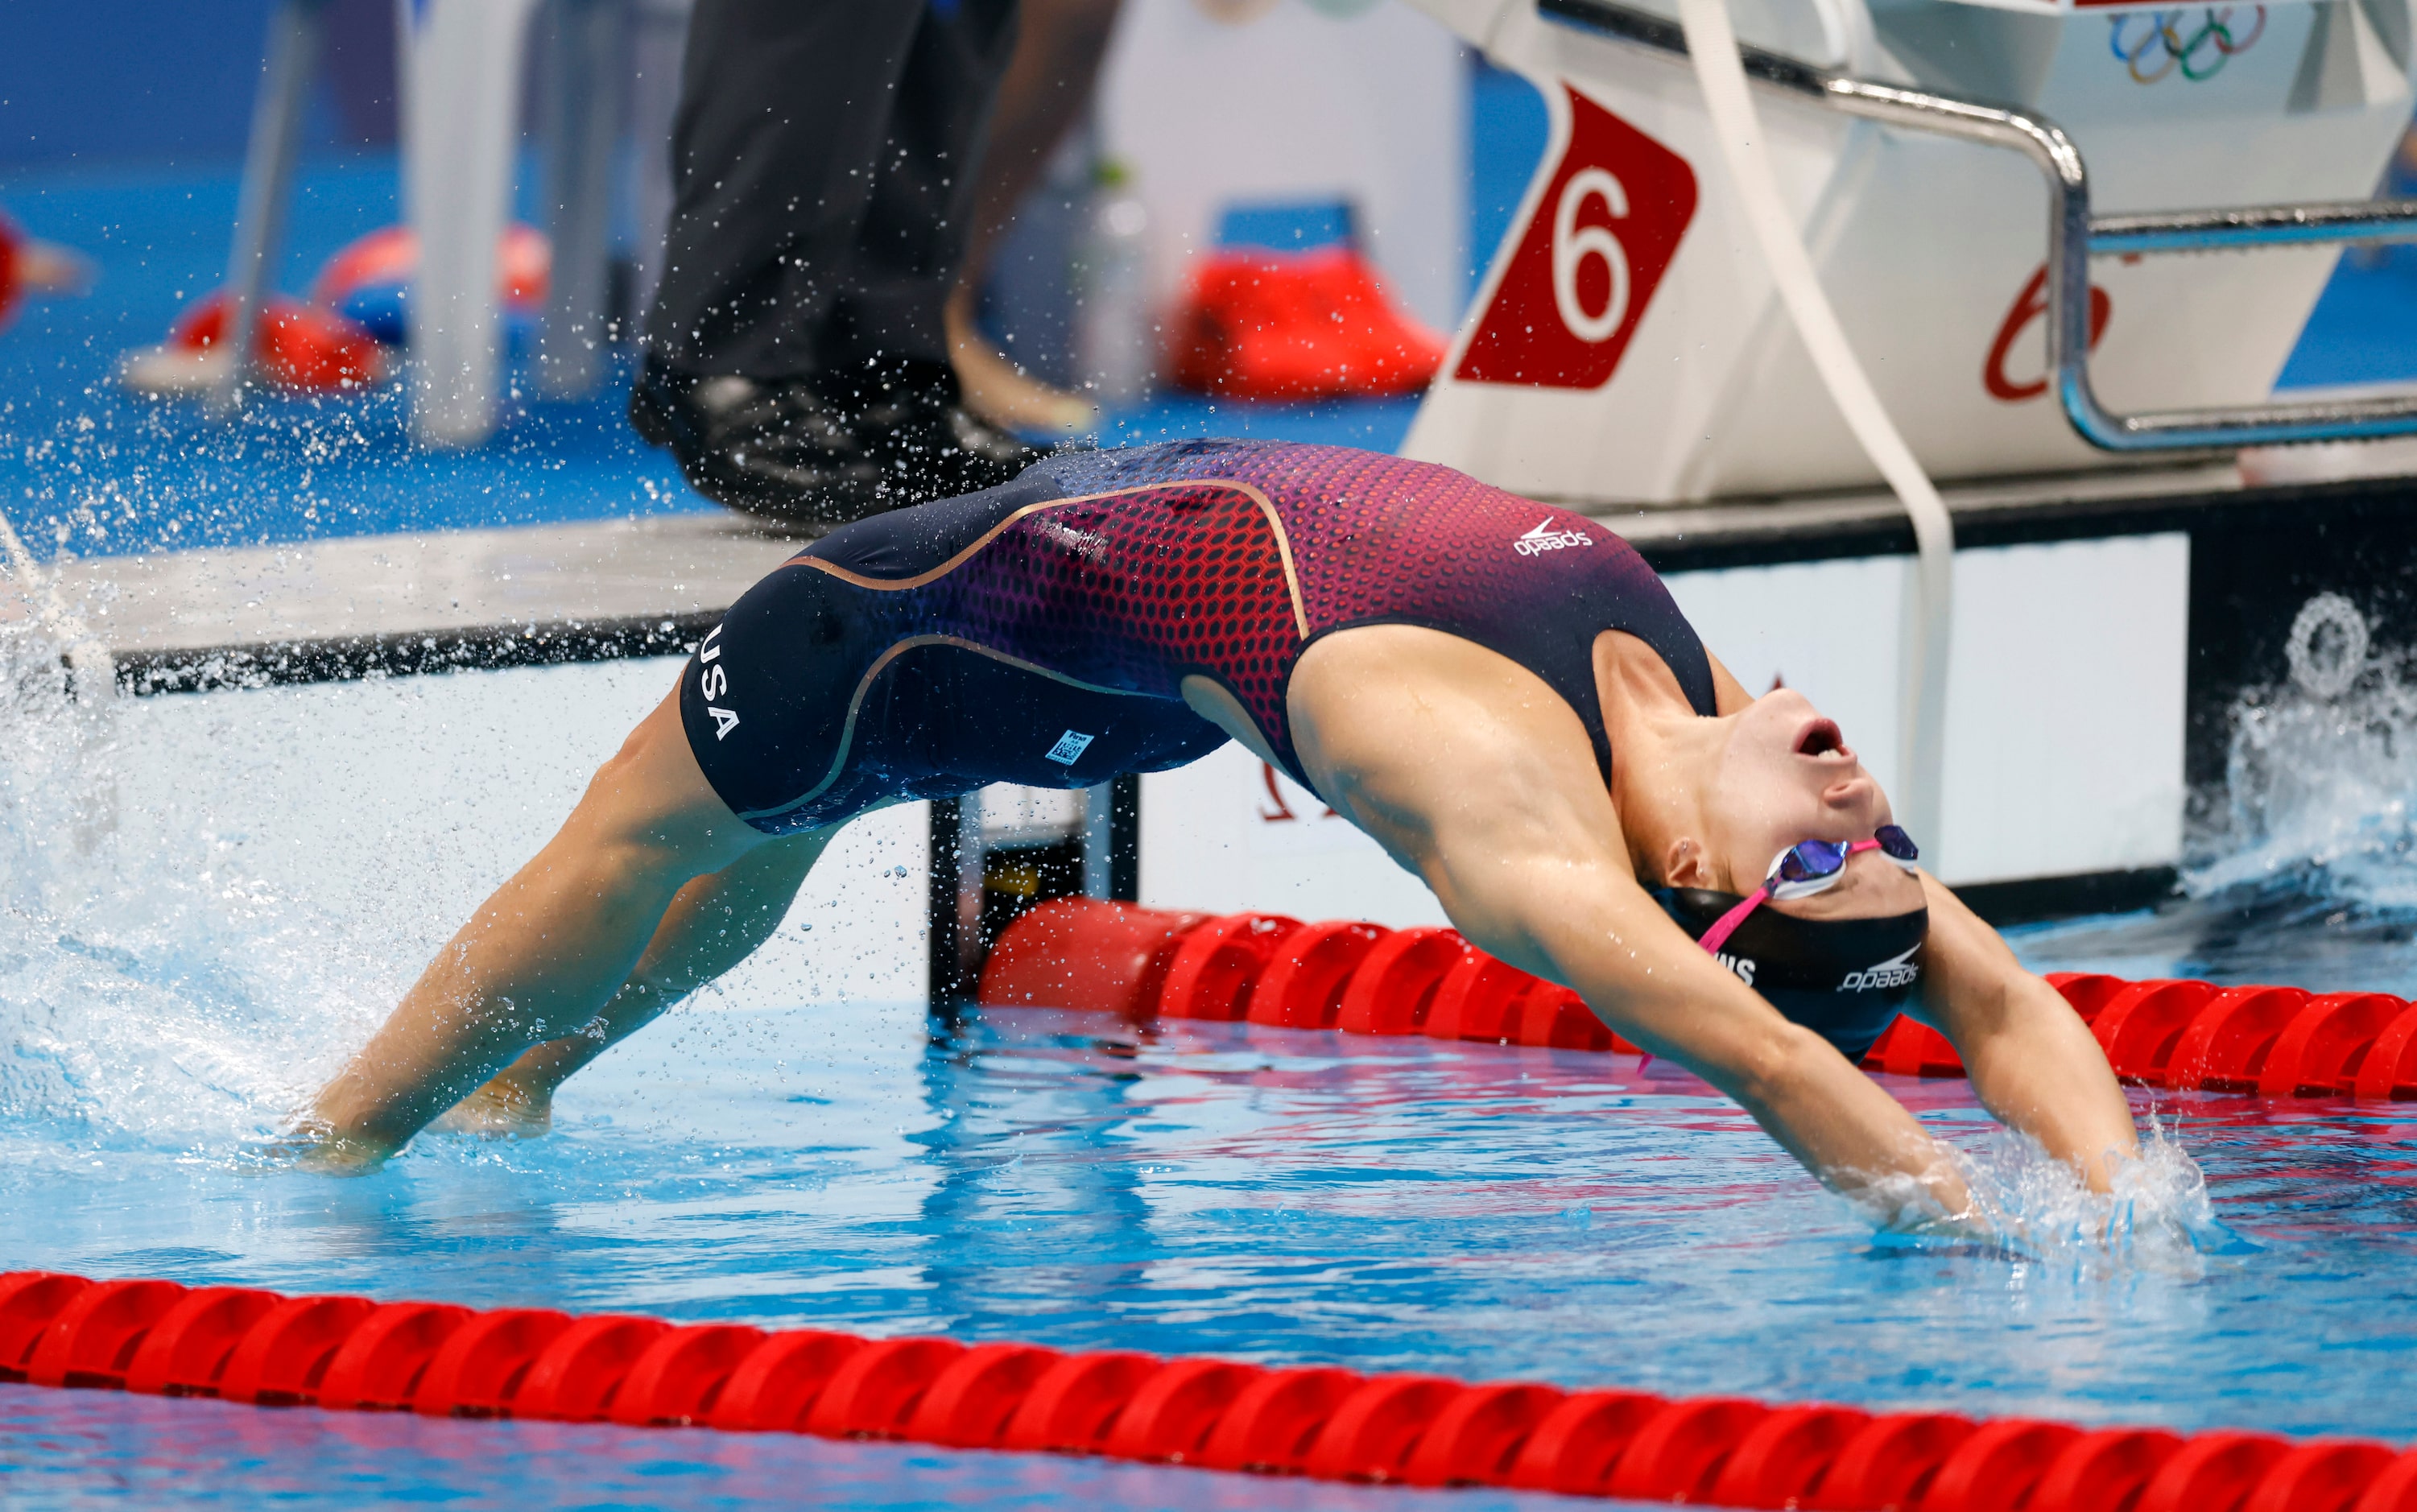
(1545, 539)
(715, 683)
(1897, 971)
(1743, 965)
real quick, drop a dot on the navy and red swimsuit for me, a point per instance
(1038, 632)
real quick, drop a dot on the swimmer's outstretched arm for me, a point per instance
(544, 955)
(1471, 773)
(1530, 890)
(2033, 1060)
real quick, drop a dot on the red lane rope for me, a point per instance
(352, 1354)
(1361, 978)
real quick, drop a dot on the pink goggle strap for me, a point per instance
(1718, 935)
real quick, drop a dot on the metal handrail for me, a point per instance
(2073, 236)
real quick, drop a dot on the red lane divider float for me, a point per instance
(444, 1361)
(1361, 978)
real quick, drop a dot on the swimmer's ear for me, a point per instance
(1685, 865)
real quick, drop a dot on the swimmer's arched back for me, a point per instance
(1500, 692)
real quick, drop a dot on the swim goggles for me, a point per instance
(1810, 867)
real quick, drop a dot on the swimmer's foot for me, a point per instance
(501, 1110)
(310, 1146)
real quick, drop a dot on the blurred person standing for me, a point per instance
(797, 362)
(1047, 87)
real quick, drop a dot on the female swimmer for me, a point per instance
(1502, 693)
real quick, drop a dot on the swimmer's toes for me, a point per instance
(320, 1152)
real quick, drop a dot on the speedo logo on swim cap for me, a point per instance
(1545, 539)
(1895, 971)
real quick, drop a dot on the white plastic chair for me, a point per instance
(459, 66)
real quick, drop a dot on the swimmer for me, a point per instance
(1502, 693)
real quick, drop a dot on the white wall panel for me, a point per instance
(1366, 104)
(1213, 836)
(2064, 730)
(388, 809)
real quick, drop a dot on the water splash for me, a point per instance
(145, 999)
(2027, 1205)
(2157, 1216)
(2320, 794)
(2300, 868)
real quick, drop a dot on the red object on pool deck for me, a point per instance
(1329, 1424)
(1361, 978)
(297, 345)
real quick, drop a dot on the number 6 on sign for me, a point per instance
(1572, 244)
(1541, 327)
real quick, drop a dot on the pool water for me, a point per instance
(209, 900)
(66, 1450)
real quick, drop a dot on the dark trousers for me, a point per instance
(823, 179)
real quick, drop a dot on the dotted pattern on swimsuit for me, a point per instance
(1134, 592)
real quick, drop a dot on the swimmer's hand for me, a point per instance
(1931, 1206)
(504, 1109)
(1926, 1223)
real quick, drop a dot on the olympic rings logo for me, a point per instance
(2164, 48)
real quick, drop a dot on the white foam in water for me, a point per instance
(151, 985)
(206, 901)
(2319, 780)
(2032, 1206)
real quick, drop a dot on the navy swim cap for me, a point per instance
(1842, 978)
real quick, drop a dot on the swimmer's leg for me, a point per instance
(546, 953)
(715, 923)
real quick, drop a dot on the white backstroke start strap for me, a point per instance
(1713, 48)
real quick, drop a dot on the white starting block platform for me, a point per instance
(1629, 344)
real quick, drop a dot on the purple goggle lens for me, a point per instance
(1809, 866)
(1813, 860)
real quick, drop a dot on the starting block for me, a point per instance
(1628, 345)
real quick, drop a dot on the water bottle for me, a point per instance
(1116, 326)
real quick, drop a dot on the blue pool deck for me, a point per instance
(87, 470)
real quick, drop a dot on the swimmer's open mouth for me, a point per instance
(1822, 737)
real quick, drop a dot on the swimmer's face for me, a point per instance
(1787, 774)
